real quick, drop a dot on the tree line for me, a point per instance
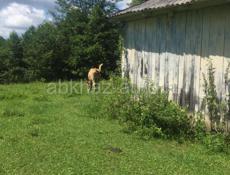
(81, 36)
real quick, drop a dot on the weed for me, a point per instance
(12, 112)
(41, 98)
(34, 131)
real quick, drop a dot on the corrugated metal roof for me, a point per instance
(155, 4)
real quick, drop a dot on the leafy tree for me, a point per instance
(2, 41)
(81, 36)
(4, 60)
(85, 5)
(12, 58)
(93, 39)
(41, 53)
(105, 37)
(15, 45)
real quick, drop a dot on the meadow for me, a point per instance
(42, 132)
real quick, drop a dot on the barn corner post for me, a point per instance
(123, 51)
(170, 44)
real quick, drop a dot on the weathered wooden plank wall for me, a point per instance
(172, 51)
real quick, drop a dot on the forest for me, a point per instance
(80, 36)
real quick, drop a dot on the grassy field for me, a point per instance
(43, 133)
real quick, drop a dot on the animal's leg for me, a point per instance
(94, 85)
(89, 85)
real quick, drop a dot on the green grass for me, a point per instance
(61, 134)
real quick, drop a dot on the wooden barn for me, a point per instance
(169, 43)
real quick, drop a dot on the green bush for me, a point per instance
(147, 111)
(151, 132)
(218, 142)
(199, 130)
(149, 114)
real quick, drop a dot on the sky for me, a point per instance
(19, 15)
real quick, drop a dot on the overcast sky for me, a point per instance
(18, 15)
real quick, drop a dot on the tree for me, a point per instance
(95, 42)
(84, 6)
(4, 60)
(80, 37)
(92, 39)
(2, 41)
(41, 53)
(15, 45)
(105, 37)
(14, 59)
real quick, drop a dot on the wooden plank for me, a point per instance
(192, 60)
(227, 46)
(179, 60)
(137, 53)
(129, 61)
(227, 57)
(148, 34)
(147, 53)
(188, 62)
(153, 49)
(167, 77)
(204, 54)
(172, 58)
(124, 56)
(142, 52)
(162, 24)
(216, 46)
(179, 40)
(157, 53)
(197, 41)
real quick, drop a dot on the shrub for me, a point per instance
(12, 112)
(211, 99)
(218, 142)
(150, 132)
(227, 141)
(147, 111)
(199, 130)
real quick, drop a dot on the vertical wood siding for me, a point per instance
(172, 51)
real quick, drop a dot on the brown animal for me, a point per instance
(93, 77)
